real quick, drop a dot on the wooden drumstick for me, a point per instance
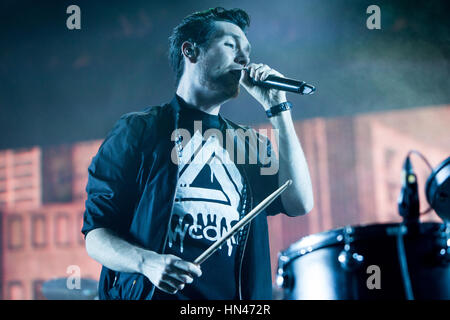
(243, 222)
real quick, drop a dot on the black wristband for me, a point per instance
(278, 108)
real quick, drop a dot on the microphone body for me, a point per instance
(285, 84)
(408, 200)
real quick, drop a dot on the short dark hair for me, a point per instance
(197, 28)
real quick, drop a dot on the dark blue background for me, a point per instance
(61, 86)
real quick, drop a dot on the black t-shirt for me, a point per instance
(210, 199)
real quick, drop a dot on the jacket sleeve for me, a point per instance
(268, 174)
(112, 188)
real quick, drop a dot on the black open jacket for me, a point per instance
(131, 189)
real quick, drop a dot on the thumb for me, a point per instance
(245, 79)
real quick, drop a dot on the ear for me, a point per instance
(189, 50)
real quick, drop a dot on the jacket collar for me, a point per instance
(174, 109)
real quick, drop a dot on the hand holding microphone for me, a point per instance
(259, 79)
(272, 81)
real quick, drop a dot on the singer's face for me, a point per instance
(220, 63)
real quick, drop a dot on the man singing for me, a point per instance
(169, 181)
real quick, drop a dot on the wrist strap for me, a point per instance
(278, 108)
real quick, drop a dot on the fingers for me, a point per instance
(253, 68)
(173, 281)
(170, 284)
(259, 72)
(186, 266)
(179, 276)
(177, 273)
(167, 288)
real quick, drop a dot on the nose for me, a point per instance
(242, 59)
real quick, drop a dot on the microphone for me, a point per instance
(408, 200)
(284, 84)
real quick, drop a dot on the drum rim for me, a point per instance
(335, 236)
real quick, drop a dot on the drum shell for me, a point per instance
(318, 273)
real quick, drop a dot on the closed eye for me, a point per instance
(229, 45)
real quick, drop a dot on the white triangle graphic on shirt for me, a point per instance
(225, 171)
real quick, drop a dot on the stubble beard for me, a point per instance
(221, 85)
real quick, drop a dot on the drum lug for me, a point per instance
(443, 256)
(443, 252)
(283, 280)
(348, 258)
